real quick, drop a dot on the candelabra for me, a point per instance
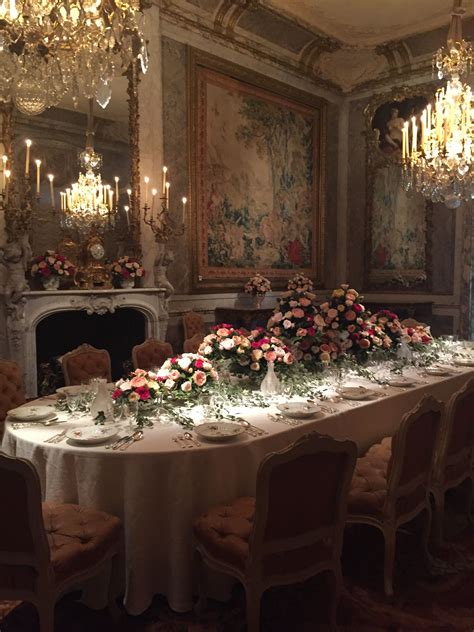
(158, 216)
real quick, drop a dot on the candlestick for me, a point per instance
(184, 200)
(111, 198)
(27, 159)
(165, 170)
(153, 195)
(147, 180)
(126, 213)
(116, 188)
(167, 194)
(38, 173)
(51, 189)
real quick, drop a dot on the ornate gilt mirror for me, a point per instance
(398, 223)
(58, 136)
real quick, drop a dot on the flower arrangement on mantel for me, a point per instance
(258, 285)
(126, 270)
(51, 268)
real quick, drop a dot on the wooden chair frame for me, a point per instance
(137, 348)
(84, 348)
(46, 591)
(252, 577)
(389, 522)
(439, 483)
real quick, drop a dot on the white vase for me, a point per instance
(51, 282)
(102, 401)
(127, 283)
(270, 385)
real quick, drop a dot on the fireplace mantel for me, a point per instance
(24, 315)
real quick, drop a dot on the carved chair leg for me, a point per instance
(425, 538)
(390, 537)
(438, 517)
(253, 597)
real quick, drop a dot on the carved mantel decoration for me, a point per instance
(24, 315)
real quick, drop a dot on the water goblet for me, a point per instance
(73, 402)
(130, 413)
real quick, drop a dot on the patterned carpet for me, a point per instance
(438, 596)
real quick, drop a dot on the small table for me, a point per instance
(243, 317)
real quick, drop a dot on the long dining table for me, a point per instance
(158, 489)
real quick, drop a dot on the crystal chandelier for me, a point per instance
(89, 204)
(437, 147)
(49, 48)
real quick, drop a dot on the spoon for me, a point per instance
(189, 437)
(136, 436)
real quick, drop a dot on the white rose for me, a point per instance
(170, 384)
(186, 387)
(126, 385)
(184, 363)
(227, 344)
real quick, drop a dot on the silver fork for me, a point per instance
(284, 420)
(116, 444)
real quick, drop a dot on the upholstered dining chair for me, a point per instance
(48, 549)
(291, 530)
(454, 453)
(12, 390)
(412, 322)
(193, 323)
(151, 353)
(192, 344)
(391, 482)
(84, 363)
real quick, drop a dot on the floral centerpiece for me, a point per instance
(186, 375)
(294, 320)
(51, 268)
(258, 286)
(347, 324)
(126, 270)
(418, 337)
(142, 387)
(300, 283)
(390, 325)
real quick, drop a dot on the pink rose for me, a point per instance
(364, 343)
(298, 312)
(332, 313)
(199, 378)
(270, 356)
(138, 381)
(305, 302)
(350, 315)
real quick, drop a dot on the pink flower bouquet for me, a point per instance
(127, 268)
(187, 374)
(139, 386)
(52, 264)
(257, 285)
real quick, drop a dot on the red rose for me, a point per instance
(46, 272)
(357, 308)
(144, 392)
(117, 393)
(198, 364)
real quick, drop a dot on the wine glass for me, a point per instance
(73, 402)
(130, 413)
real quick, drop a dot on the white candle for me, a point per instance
(167, 194)
(38, 175)
(165, 170)
(184, 200)
(116, 188)
(126, 213)
(129, 193)
(51, 189)
(147, 180)
(27, 159)
(153, 195)
(4, 160)
(7, 183)
(111, 199)
(415, 134)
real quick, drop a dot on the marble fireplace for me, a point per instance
(24, 315)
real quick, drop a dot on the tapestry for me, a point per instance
(257, 182)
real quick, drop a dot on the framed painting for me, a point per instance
(398, 252)
(257, 177)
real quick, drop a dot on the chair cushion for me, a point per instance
(224, 530)
(12, 392)
(78, 537)
(369, 483)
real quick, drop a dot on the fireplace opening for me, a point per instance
(64, 331)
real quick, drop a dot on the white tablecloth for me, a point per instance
(158, 489)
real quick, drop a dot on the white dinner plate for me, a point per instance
(298, 410)
(31, 413)
(438, 370)
(464, 361)
(91, 434)
(219, 430)
(402, 382)
(355, 392)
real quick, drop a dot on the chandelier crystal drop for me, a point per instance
(49, 48)
(437, 147)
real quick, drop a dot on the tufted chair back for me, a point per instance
(12, 391)
(412, 458)
(301, 505)
(455, 448)
(150, 354)
(84, 363)
(192, 344)
(24, 550)
(193, 324)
